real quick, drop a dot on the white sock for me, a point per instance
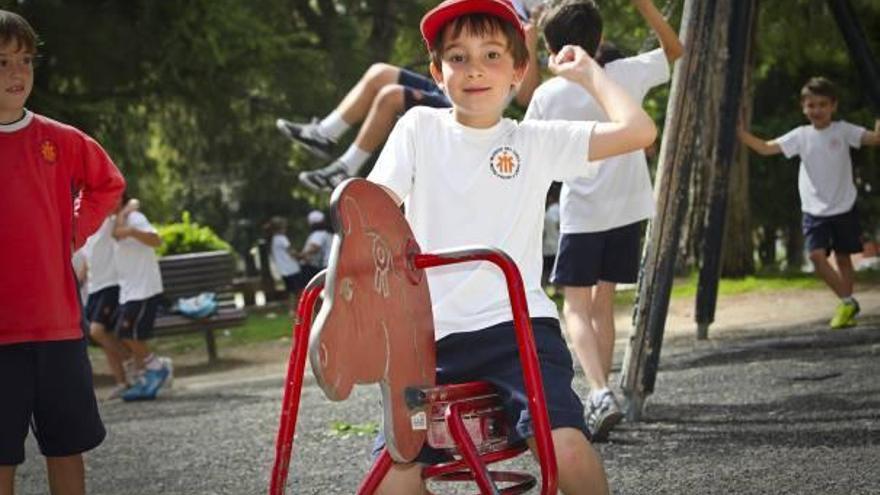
(354, 158)
(152, 363)
(333, 126)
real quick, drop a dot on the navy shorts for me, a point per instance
(498, 363)
(296, 282)
(47, 387)
(102, 305)
(136, 318)
(419, 90)
(839, 233)
(609, 256)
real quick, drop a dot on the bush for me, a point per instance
(189, 237)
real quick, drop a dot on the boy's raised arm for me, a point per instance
(872, 138)
(629, 129)
(760, 146)
(532, 77)
(668, 38)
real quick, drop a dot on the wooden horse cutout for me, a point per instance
(376, 326)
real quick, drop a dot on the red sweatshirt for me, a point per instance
(56, 187)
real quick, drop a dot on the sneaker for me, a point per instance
(845, 315)
(148, 386)
(325, 179)
(603, 414)
(308, 136)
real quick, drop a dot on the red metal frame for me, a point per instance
(470, 457)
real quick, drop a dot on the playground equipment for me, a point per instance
(375, 326)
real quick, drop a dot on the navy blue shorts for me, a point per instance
(136, 318)
(296, 282)
(498, 363)
(102, 305)
(419, 90)
(47, 387)
(839, 233)
(609, 256)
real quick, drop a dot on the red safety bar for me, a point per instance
(531, 375)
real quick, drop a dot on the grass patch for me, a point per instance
(770, 281)
(259, 327)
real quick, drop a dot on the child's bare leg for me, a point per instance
(602, 311)
(846, 272)
(403, 478)
(580, 468)
(576, 311)
(827, 273)
(385, 108)
(359, 100)
(66, 475)
(112, 349)
(7, 479)
(140, 350)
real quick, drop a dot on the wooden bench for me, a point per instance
(187, 275)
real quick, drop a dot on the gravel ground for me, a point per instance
(785, 410)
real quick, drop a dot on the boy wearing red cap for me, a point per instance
(467, 176)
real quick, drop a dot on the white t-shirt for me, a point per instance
(284, 263)
(463, 187)
(137, 264)
(551, 230)
(825, 178)
(99, 250)
(621, 193)
(322, 239)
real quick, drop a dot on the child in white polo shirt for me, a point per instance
(468, 176)
(825, 183)
(601, 217)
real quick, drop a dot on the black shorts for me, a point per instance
(47, 387)
(102, 305)
(839, 233)
(136, 318)
(419, 90)
(498, 363)
(295, 283)
(609, 256)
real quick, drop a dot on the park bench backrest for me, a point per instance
(187, 275)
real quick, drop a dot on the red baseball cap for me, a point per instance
(437, 18)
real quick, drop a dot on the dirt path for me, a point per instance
(737, 313)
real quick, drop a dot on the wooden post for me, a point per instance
(691, 120)
(741, 15)
(859, 50)
(677, 153)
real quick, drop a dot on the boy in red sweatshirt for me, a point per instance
(56, 187)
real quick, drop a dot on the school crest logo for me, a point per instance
(504, 162)
(836, 144)
(49, 152)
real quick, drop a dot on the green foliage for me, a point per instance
(189, 237)
(345, 430)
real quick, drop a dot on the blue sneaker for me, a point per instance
(148, 386)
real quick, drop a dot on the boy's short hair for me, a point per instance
(14, 28)
(572, 22)
(479, 18)
(819, 86)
